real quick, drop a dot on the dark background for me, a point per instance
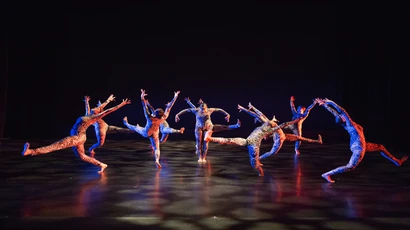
(356, 55)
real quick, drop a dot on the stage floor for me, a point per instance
(59, 191)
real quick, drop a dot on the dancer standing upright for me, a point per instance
(203, 125)
(302, 113)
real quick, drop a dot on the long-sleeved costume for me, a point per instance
(358, 144)
(279, 137)
(76, 139)
(204, 125)
(302, 113)
(152, 126)
(164, 128)
(101, 127)
(253, 141)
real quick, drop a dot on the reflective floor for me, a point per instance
(59, 191)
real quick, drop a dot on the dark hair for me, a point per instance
(159, 113)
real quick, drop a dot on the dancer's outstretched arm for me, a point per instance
(285, 124)
(189, 103)
(170, 104)
(257, 111)
(144, 104)
(292, 105)
(227, 116)
(87, 105)
(261, 119)
(343, 113)
(151, 109)
(191, 110)
(112, 109)
(110, 99)
(306, 113)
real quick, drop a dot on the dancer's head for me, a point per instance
(301, 109)
(158, 113)
(203, 107)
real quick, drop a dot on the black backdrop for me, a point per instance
(356, 55)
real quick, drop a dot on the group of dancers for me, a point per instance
(156, 125)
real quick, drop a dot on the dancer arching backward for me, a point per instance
(302, 113)
(203, 124)
(101, 127)
(164, 128)
(279, 137)
(153, 122)
(358, 144)
(77, 137)
(253, 141)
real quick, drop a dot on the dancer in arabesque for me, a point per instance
(77, 137)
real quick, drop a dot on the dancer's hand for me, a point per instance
(250, 106)
(227, 118)
(320, 101)
(241, 108)
(143, 94)
(111, 98)
(125, 101)
(292, 98)
(176, 118)
(176, 93)
(187, 99)
(86, 98)
(200, 101)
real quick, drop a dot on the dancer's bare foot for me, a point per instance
(92, 153)
(181, 131)
(203, 160)
(103, 167)
(297, 152)
(125, 120)
(403, 159)
(158, 164)
(200, 160)
(260, 171)
(238, 123)
(320, 139)
(327, 177)
(26, 150)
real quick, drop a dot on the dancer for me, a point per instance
(216, 127)
(253, 141)
(203, 125)
(164, 128)
(358, 144)
(279, 137)
(77, 137)
(302, 113)
(101, 127)
(153, 122)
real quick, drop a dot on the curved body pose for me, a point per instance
(302, 113)
(358, 144)
(279, 137)
(164, 128)
(77, 137)
(153, 122)
(101, 127)
(203, 125)
(253, 141)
